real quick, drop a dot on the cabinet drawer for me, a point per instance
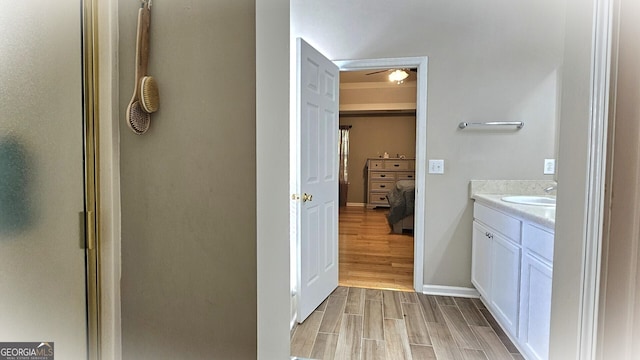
(378, 198)
(538, 241)
(381, 185)
(503, 223)
(381, 175)
(406, 175)
(396, 165)
(375, 165)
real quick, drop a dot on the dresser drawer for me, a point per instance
(381, 185)
(405, 175)
(396, 164)
(375, 165)
(378, 198)
(381, 175)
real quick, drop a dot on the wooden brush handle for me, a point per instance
(142, 49)
(145, 23)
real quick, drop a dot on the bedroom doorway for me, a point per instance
(371, 253)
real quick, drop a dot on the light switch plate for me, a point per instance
(549, 166)
(436, 166)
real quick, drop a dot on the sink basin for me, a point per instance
(531, 200)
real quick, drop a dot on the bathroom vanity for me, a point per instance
(512, 267)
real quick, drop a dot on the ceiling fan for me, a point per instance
(397, 75)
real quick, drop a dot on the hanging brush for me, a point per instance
(145, 99)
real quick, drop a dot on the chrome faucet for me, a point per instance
(551, 188)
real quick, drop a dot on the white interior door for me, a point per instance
(317, 111)
(42, 257)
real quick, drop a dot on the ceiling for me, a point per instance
(361, 76)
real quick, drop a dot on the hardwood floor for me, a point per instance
(370, 255)
(361, 324)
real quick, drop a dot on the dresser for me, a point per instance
(382, 174)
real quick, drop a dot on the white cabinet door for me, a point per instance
(505, 281)
(535, 307)
(481, 260)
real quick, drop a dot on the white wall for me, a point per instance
(272, 150)
(619, 318)
(578, 218)
(488, 61)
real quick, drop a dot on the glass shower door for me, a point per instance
(42, 256)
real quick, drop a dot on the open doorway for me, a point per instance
(308, 249)
(358, 69)
(377, 178)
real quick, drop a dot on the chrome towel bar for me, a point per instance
(518, 124)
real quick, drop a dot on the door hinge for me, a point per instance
(90, 230)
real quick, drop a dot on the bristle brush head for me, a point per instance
(137, 119)
(149, 96)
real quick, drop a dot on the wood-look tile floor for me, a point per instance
(361, 324)
(370, 255)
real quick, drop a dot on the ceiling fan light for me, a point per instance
(398, 76)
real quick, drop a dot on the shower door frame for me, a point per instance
(91, 162)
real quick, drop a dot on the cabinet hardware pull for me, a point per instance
(396, 165)
(383, 186)
(383, 175)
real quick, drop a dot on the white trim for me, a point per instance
(376, 85)
(109, 172)
(378, 106)
(599, 103)
(421, 64)
(354, 204)
(294, 311)
(450, 291)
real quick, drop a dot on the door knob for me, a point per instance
(307, 197)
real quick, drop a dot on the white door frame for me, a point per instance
(420, 63)
(602, 33)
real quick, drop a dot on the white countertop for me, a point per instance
(541, 215)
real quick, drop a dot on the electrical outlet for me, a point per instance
(549, 166)
(436, 166)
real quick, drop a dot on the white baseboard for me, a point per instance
(350, 204)
(450, 291)
(294, 311)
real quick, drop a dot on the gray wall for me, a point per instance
(488, 61)
(189, 185)
(370, 137)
